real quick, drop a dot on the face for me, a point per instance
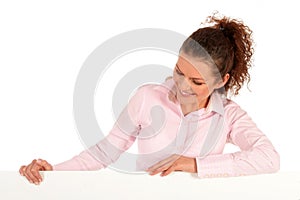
(194, 81)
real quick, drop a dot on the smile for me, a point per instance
(186, 94)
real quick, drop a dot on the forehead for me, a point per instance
(193, 66)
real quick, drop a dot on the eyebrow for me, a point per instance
(196, 78)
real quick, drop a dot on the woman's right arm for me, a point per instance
(105, 152)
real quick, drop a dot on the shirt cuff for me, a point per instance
(214, 166)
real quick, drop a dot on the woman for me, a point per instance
(197, 118)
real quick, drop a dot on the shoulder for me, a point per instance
(145, 98)
(230, 105)
(233, 111)
(153, 90)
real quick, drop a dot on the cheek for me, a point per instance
(175, 76)
(177, 79)
(201, 91)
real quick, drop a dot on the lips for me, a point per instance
(186, 94)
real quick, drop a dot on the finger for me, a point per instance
(46, 166)
(162, 168)
(26, 172)
(172, 165)
(172, 158)
(35, 170)
(32, 172)
(22, 169)
(159, 167)
(168, 171)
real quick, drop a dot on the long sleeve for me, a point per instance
(120, 138)
(257, 154)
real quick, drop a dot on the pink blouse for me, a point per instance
(161, 130)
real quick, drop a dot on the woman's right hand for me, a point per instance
(31, 171)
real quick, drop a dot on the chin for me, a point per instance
(187, 99)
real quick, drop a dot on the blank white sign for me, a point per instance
(108, 184)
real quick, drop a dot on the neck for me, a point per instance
(188, 108)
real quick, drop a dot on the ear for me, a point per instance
(224, 81)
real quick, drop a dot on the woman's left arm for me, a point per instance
(257, 153)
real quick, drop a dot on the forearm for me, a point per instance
(98, 156)
(255, 161)
(83, 161)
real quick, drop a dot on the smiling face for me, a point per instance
(194, 82)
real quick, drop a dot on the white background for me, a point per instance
(43, 45)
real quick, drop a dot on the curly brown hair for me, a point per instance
(228, 43)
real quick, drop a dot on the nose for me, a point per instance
(184, 84)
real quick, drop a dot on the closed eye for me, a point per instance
(178, 72)
(197, 83)
(181, 74)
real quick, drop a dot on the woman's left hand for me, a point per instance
(174, 163)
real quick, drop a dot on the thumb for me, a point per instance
(45, 165)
